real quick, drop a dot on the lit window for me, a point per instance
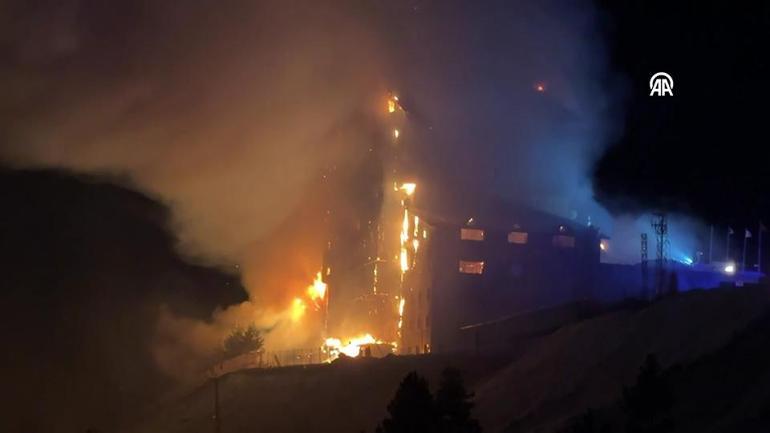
(468, 267)
(564, 241)
(471, 234)
(517, 237)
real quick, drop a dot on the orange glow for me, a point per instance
(317, 290)
(334, 346)
(408, 188)
(540, 87)
(374, 280)
(403, 258)
(297, 310)
(393, 103)
(405, 227)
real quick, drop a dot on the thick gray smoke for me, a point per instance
(222, 110)
(517, 99)
(230, 111)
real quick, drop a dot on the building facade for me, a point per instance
(489, 264)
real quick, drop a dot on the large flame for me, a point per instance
(317, 291)
(393, 103)
(408, 188)
(334, 346)
(404, 259)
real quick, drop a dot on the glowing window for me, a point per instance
(469, 267)
(517, 238)
(563, 241)
(471, 234)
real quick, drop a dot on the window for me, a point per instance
(564, 241)
(470, 267)
(517, 238)
(471, 234)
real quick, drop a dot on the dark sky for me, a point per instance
(705, 149)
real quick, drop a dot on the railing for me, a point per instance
(271, 359)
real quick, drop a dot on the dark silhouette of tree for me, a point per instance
(454, 404)
(588, 423)
(412, 409)
(242, 340)
(648, 404)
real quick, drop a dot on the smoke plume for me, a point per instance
(232, 112)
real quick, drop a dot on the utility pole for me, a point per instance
(217, 420)
(746, 236)
(760, 229)
(660, 226)
(644, 259)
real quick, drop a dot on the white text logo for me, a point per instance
(661, 84)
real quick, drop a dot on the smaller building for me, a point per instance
(482, 264)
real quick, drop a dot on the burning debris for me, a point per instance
(334, 347)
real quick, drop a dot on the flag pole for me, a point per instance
(711, 243)
(727, 248)
(759, 249)
(745, 242)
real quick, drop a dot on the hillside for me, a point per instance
(86, 266)
(586, 364)
(556, 377)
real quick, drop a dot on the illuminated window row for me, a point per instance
(516, 237)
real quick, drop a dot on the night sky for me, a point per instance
(95, 241)
(704, 150)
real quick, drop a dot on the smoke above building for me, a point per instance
(234, 114)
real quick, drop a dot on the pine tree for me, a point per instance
(454, 404)
(412, 408)
(242, 340)
(648, 404)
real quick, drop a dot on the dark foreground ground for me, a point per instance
(713, 345)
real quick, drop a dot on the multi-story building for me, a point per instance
(479, 265)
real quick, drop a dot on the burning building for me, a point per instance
(406, 270)
(366, 253)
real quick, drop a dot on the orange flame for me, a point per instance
(408, 188)
(334, 346)
(317, 290)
